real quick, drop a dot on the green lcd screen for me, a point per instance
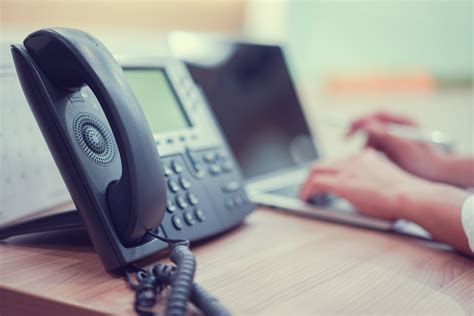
(158, 100)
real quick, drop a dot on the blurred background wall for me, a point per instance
(326, 39)
(392, 37)
(348, 57)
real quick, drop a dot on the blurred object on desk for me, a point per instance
(29, 178)
(377, 83)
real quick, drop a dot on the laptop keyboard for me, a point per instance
(323, 199)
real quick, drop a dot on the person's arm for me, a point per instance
(377, 187)
(458, 171)
(437, 208)
(416, 157)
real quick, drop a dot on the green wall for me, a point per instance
(326, 37)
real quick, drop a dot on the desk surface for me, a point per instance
(273, 264)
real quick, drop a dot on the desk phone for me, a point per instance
(104, 122)
(205, 194)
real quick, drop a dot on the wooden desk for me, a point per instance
(273, 264)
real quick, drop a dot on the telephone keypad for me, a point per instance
(205, 194)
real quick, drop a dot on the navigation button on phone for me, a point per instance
(214, 169)
(230, 186)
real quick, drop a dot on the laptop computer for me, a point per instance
(253, 97)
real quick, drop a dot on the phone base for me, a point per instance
(63, 220)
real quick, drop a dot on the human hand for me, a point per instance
(377, 187)
(416, 157)
(379, 117)
(369, 181)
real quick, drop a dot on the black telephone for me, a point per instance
(102, 143)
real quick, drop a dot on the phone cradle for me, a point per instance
(64, 220)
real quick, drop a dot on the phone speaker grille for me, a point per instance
(94, 138)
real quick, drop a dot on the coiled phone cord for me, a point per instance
(202, 299)
(150, 282)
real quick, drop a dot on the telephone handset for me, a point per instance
(66, 60)
(107, 154)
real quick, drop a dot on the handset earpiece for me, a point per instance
(70, 59)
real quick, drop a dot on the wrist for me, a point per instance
(423, 198)
(442, 171)
(456, 171)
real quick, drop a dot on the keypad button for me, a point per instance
(229, 203)
(185, 184)
(192, 156)
(188, 218)
(199, 170)
(177, 222)
(199, 213)
(173, 186)
(181, 202)
(208, 157)
(170, 207)
(167, 171)
(192, 198)
(177, 167)
(230, 186)
(222, 155)
(214, 169)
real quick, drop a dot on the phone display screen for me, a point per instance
(154, 92)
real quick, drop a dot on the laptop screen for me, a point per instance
(250, 90)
